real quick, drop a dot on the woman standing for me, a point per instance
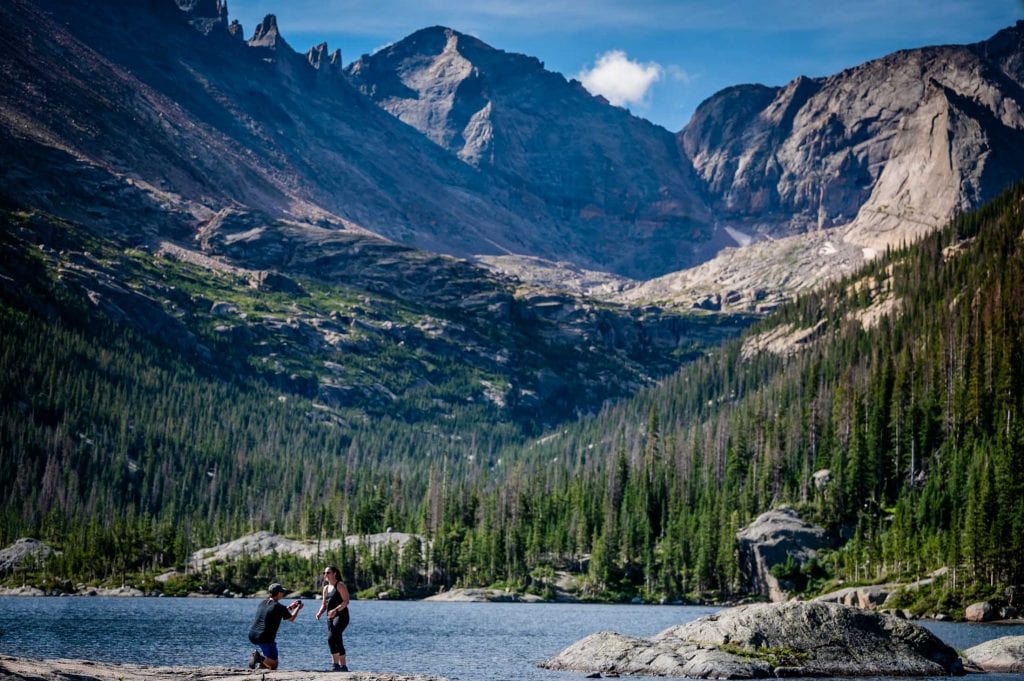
(334, 602)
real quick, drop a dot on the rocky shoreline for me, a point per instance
(28, 669)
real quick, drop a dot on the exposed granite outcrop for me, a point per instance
(24, 550)
(483, 596)
(773, 538)
(766, 640)
(264, 543)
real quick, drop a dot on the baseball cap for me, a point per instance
(276, 588)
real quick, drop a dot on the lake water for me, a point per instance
(461, 641)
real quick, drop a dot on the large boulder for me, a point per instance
(773, 538)
(981, 612)
(770, 639)
(1004, 655)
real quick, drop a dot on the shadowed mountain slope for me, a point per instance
(202, 120)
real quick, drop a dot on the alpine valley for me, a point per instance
(444, 291)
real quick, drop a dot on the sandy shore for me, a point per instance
(28, 669)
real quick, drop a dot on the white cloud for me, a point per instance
(620, 80)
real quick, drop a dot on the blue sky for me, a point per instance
(659, 58)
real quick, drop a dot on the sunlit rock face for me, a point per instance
(890, 148)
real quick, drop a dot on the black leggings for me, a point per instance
(335, 628)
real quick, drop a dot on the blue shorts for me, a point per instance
(269, 650)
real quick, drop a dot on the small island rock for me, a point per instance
(1002, 655)
(767, 640)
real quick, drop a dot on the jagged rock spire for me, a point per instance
(315, 55)
(266, 34)
(319, 59)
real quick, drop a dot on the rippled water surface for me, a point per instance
(461, 641)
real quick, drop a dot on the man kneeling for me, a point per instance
(263, 631)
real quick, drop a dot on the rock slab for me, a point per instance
(483, 596)
(769, 640)
(26, 669)
(1003, 655)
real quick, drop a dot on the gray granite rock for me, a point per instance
(25, 669)
(263, 543)
(1003, 655)
(779, 639)
(22, 551)
(771, 539)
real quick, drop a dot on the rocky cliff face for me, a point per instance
(887, 150)
(823, 172)
(616, 178)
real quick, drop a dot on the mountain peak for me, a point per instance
(442, 44)
(437, 40)
(267, 35)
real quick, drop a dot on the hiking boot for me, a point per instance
(255, 659)
(343, 668)
(336, 667)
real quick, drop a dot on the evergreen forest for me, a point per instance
(890, 413)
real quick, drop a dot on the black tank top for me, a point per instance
(333, 597)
